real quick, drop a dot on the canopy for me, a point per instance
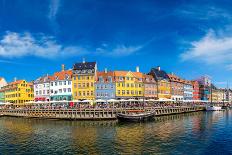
(100, 100)
(76, 101)
(112, 100)
(86, 101)
(132, 100)
(123, 100)
(6, 103)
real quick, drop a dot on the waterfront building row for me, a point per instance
(84, 81)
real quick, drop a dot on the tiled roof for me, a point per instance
(124, 73)
(16, 82)
(85, 65)
(149, 77)
(62, 75)
(105, 75)
(175, 78)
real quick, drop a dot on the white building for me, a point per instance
(42, 88)
(2, 82)
(61, 85)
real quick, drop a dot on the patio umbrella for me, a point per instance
(100, 100)
(112, 100)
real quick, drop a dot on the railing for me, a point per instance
(110, 113)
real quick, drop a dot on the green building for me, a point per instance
(2, 96)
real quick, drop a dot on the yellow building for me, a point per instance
(162, 79)
(129, 84)
(18, 92)
(84, 75)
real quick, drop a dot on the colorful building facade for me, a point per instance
(18, 92)
(177, 87)
(129, 84)
(205, 84)
(163, 82)
(83, 79)
(196, 90)
(42, 88)
(105, 85)
(188, 90)
(150, 87)
(61, 86)
(2, 82)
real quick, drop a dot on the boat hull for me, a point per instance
(135, 118)
(213, 108)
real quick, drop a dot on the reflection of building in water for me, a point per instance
(85, 139)
(130, 138)
(23, 127)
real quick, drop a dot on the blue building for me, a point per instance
(105, 85)
(188, 90)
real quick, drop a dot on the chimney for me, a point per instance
(137, 69)
(158, 67)
(63, 67)
(105, 70)
(83, 60)
(15, 79)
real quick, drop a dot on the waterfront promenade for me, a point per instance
(92, 113)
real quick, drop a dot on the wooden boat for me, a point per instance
(136, 117)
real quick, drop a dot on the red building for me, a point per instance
(196, 90)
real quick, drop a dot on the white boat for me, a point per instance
(213, 108)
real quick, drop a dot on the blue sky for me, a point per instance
(189, 38)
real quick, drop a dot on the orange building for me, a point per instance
(177, 87)
(150, 87)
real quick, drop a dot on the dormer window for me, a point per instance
(56, 77)
(100, 78)
(66, 76)
(110, 79)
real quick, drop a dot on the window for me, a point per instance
(100, 79)
(127, 92)
(55, 83)
(69, 82)
(123, 92)
(60, 82)
(60, 90)
(51, 83)
(79, 77)
(64, 82)
(119, 92)
(64, 90)
(69, 89)
(110, 79)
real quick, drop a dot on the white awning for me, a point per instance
(100, 100)
(112, 100)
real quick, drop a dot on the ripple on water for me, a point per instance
(193, 133)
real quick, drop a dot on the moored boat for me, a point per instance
(136, 117)
(213, 108)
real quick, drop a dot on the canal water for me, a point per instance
(193, 133)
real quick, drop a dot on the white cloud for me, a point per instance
(53, 9)
(203, 12)
(211, 49)
(14, 45)
(118, 51)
